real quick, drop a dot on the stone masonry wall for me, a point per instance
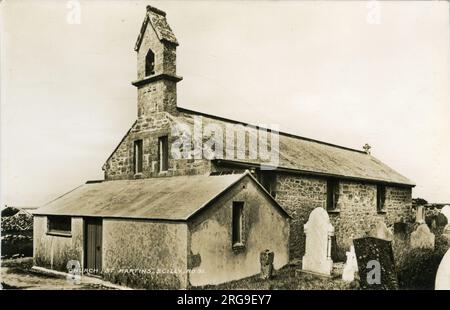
(149, 129)
(356, 213)
(157, 97)
(356, 209)
(398, 205)
(299, 196)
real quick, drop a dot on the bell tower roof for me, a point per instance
(157, 19)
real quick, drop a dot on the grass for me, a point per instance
(23, 263)
(287, 278)
(417, 268)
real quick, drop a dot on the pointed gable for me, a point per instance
(157, 19)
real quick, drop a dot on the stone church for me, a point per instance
(210, 213)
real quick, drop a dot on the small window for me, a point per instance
(269, 181)
(332, 194)
(381, 197)
(238, 208)
(59, 224)
(138, 154)
(150, 63)
(163, 153)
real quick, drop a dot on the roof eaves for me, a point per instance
(307, 172)
(246, 173)
(215, 197)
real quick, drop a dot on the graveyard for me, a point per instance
(407, 256)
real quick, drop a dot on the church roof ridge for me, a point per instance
(280, 132)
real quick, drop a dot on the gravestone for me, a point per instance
(422, 238)
(420, 214)
(318, 232)
(266, 260)
(441, 220)
(381, 231)
(442, 281)
(446, 232)
(376, 266)
(446, 211)
(351, 266)
(401, 230)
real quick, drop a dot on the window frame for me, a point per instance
(163, 153)
(381, 198)
(149, 65)
(332, 195)
(138, 156)
(237, 224)
(268, 180)
(52, 219)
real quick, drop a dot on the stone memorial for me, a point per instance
(442, 281)
(375, 264)
(420, 214)
(446, 232)
(318, 232)
(422, 238)
(381, 231)
(441, 220)
(400, 231)
(446, 211)
(351, 266)
(266, 260)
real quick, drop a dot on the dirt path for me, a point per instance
(17, 274)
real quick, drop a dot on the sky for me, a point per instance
(348, 73)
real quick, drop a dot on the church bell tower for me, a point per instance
(156, 65)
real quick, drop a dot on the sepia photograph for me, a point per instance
(224, 146)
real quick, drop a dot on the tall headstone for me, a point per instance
(351, 266)
(318, 232)
(266, 260)
(420, 214)
(446, 211)
(381, 231)
(443, 274)
(422, 238)
(375, 264)
(441, 220)
(446, 232)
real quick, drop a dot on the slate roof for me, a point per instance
(165, 198)
(158, 21)
(303, 155)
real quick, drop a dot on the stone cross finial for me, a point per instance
(367, 148)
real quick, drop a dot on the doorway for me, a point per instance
(93, 246)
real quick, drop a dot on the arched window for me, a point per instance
(149, 63)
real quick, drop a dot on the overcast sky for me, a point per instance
(333, 71)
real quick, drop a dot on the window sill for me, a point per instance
(238, 247)
(59, 234)
(336, 211)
